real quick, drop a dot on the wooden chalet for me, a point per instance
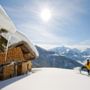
(15, 59)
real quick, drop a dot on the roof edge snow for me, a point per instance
(6, 22)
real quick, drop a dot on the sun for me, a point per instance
(45, 14)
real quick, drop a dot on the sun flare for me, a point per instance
(45, 15)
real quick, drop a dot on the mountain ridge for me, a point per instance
(74, 53)
(51, 59)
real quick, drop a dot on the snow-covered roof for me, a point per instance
(7, 24)
(5, 21)
(20, 37)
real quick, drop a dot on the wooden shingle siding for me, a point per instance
(16, 63)
(24, 67)
(14, 54)
(8, 72)
(2, 58)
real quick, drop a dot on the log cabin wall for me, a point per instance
(14, 54)
(7, 71)
(15, 64)
(24, 67)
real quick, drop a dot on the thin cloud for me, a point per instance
(64, 13)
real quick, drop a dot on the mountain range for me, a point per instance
(74, 54)
(56, 58)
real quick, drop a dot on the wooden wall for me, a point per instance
(14, 54)
(16, 63)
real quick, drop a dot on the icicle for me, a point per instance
(7, 48)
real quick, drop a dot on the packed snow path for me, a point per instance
(49, 79)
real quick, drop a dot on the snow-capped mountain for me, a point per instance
(52, 59)
(86, 53)
(74, 54)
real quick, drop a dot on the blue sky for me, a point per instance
(69, 24)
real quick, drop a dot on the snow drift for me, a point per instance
(5, 21)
